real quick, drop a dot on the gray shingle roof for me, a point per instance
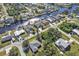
(62, 43)
(6, 38)
(34, 45)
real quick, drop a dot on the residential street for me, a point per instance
(19, 44)
(5, 11)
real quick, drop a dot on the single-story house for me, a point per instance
(34, 46)
(76, 31)
(6, 38)
(32, 21)
(19, 32)
(63, 44)
(9, 20)
(50, 20)
(39, 25)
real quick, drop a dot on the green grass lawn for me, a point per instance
(32, 38)
(65, 37)
(74, 50)
(76, 37)
(24, 35)
(12, 32)
(4, 44)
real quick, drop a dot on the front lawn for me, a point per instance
(76, 37)
(64, 37)
(24, 35)
(4, 44)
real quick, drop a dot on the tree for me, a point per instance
(51, 35)
(14, 52)
(25, 43)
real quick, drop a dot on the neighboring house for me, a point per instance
(51, 19)
(45, 24)
(34, 46)
(63, 44)
(19, 32)
(32, 21)
(6, 38)
(75, 31)
(1, 20)
(39, 25)
(26, 23)
(30, 29)
(9, 20)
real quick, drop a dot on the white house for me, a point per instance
(19, 32)
(76, 31)
(62, 44)
(32, 21)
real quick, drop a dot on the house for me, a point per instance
(19, 32)
(75, 31)
(32, 21)
(9, 20)
(62, 44)
(39, 24)
(51, 19)
(26, 23)
(30, 29)
(45, 24)
(34, 46)
(6, 38)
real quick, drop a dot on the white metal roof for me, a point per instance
(76, 31)
(17, 33)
